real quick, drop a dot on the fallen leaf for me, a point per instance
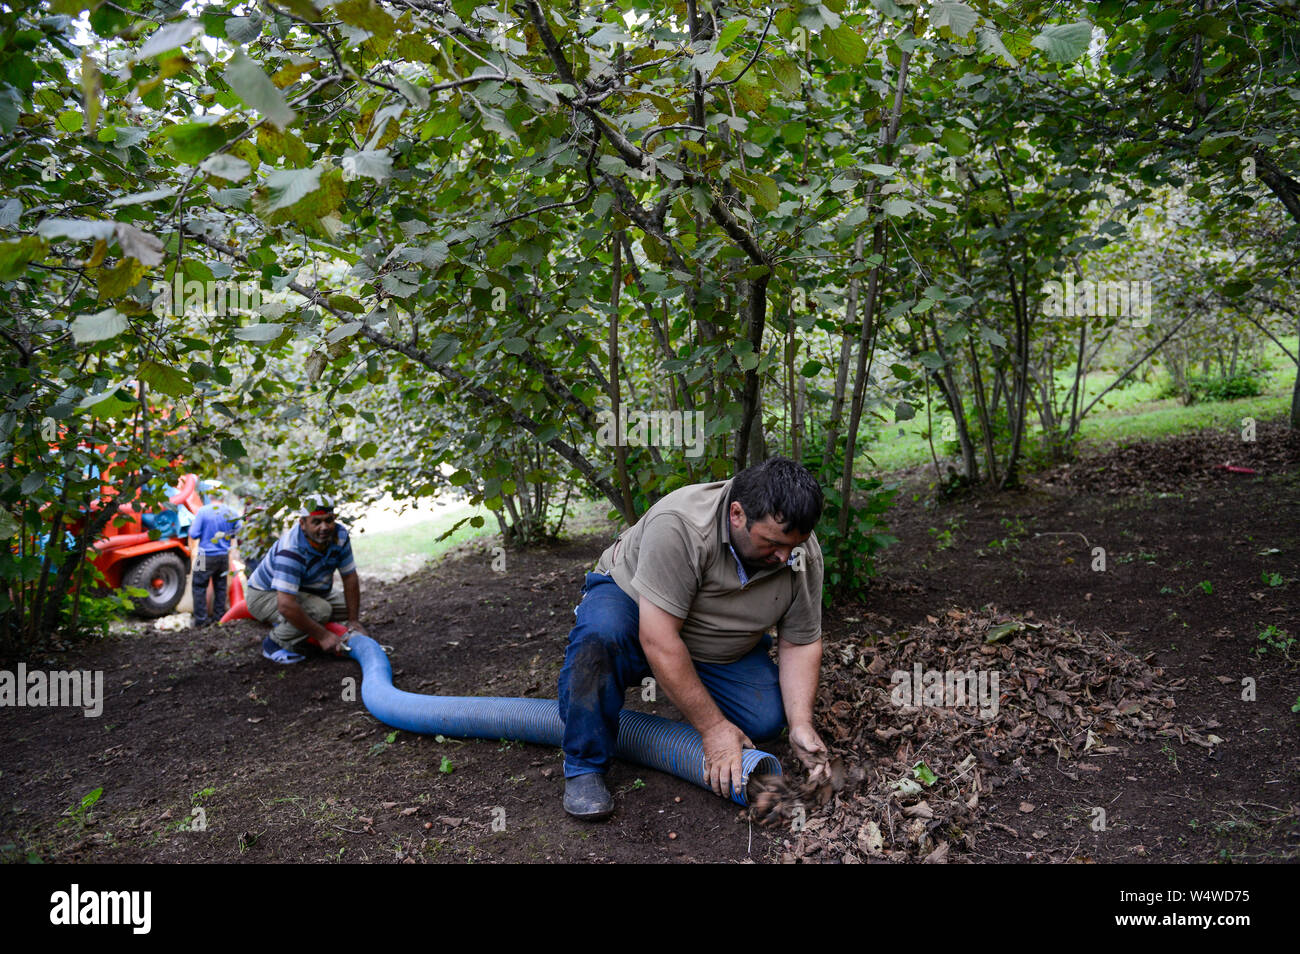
(937, 857)
(870, 839)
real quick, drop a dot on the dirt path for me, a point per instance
(284, 768)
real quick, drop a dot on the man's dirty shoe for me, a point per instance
(587, 798)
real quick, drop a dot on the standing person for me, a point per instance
(293, 586)
(687, 594)
(214, 527)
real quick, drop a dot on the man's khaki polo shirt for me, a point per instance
(678, 557)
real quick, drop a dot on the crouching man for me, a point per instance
(687, 594)
(293, 586)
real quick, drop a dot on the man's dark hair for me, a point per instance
(782, 489)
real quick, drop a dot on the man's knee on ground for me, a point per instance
(591, 666)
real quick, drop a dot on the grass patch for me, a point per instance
(1131, 412)
(418, 537)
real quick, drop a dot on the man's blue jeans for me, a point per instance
(604, 658)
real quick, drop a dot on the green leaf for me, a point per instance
(78, 230)
(193, 142)
(135, 243)
(811, 368)
(1000, 632)
(785, 72)
(284, 187)
(1064, 42)
(729, 33)
(930, 360)
(762, 188)
(495, 121)
(143, 198)
(889, 8)
(923, 774)
(957, 17)
(396, 284)
(955, 141)
(101, 326)
(8, 525)
(243, 29)
(170, 37)
(15, 255)
(366, 14)
(845, 45)
(374, 164)
(444, 348)
(232, 448)
(904, 411)
(989, 40)
(266, 331)
(897, 208)
(162, 378)
(111, 404)
(225, 166)
(255, 88)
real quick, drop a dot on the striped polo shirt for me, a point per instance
(293, 564)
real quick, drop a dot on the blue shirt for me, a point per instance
(214, 526)
(293, 564)
(740, 565)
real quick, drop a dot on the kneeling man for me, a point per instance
(293, 587)
(687, 594)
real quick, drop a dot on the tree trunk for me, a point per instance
(750, 445)
(842, 372)
(620, 449)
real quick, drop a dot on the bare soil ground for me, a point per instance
(1199, 562)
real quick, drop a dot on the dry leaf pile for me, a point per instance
(1173, 462)
(909, 778)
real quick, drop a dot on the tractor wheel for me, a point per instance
(162, 577)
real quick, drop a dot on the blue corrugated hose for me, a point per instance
(662, 744)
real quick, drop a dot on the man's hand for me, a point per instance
(722, 765)
(330, 641)
(354, 625)
(811, 752)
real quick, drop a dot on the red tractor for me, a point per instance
(158, 562)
